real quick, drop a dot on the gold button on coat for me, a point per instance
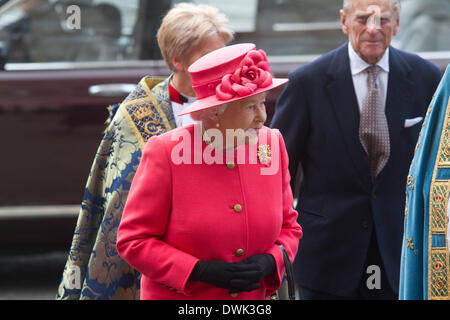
(239, 252)
(237, 208)
(231, 165)
(234, 295)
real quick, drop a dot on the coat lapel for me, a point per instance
(341, 92)
(399, 94)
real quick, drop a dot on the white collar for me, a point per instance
(358, 65)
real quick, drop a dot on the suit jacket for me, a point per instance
(339, 205)
(179, 212)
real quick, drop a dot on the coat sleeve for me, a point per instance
(145, 219)
(291, 231)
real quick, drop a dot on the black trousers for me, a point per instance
(369, 288)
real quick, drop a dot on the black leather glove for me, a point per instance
(221, 273)
(264, 262)
(243, 285)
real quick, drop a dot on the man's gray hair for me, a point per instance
(348, 4)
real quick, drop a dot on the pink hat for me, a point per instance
(228, 74)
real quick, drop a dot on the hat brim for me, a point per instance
(212, 101)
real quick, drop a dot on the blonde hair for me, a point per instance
(186, 26)
(347, 5)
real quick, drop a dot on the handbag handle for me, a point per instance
(289, 273)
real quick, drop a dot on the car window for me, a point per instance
(50, 31)
(312, 27)
(285, 27)
(114, 30)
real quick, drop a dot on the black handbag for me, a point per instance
(289, 274)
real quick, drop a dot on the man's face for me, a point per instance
(370, 25)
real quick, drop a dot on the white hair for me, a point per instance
(206, 115)
(347, 5)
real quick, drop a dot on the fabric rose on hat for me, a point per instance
(253, 73)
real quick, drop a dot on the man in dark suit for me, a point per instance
(351, 119)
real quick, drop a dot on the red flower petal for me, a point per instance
(244, 81)
(256, 56)
(263, 53)
(241, 90)
(265, 65)
(252, 86)
(227, 83)
(247, 61)
(236, 75)
(267, 81)
(222, 95)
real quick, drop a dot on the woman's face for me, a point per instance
(247, 114)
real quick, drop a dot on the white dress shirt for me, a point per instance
(359, 76)
(179, 107)
(186, 119)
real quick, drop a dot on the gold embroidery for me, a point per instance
(410, 243)
(439, 278)
(153, 124)
(144, 113)
(438, 257)
(410, 182)
(444, 157)
(141, 113)
(438, 206)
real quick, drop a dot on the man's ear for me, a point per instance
(178, 65)
(343, 21)
(397, 25)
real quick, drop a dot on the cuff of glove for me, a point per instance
(273, 282)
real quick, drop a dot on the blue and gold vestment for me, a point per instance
(93, 257)
(425, 271)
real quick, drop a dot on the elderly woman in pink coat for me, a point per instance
(210, 207)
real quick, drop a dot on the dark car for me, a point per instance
(64, 62)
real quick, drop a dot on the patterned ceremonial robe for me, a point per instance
(425, 268)
(94, 270)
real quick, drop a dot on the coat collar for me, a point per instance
(148, 109)
(340, 91)
(358, 65)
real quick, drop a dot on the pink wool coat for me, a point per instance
(179, 213)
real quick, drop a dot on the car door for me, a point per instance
(64, 63)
